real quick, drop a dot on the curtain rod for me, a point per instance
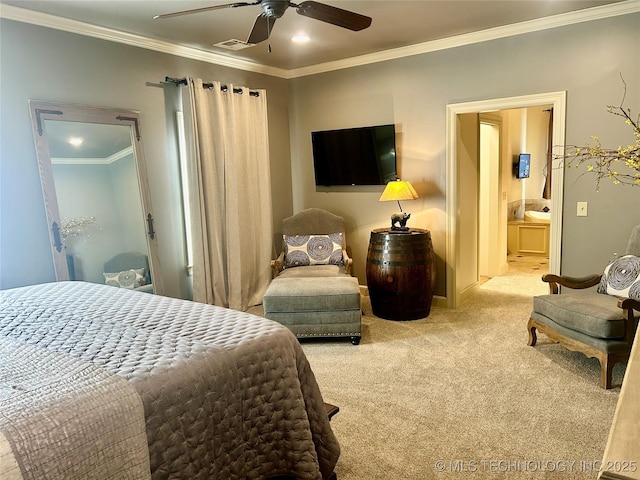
(224, 88)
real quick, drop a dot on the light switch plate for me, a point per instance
(582, 209)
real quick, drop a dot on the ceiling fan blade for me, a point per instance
(334, 15)
(261, 29)
(206, 9)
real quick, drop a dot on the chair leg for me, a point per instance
(606, 371)
(532, 333)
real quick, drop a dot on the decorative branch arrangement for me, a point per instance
(620, 165)
(77, 227)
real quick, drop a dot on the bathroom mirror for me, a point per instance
(96, 196)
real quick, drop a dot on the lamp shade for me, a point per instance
(398, 190)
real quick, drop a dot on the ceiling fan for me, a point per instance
(274, 9)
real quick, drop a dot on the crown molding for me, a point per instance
(624, 7)
(73, 26)
(596, 13)
(125, 152)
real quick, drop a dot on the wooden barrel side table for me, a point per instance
(401, 273)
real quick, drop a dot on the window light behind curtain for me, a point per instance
(230, 194)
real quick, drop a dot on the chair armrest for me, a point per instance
(348, 261)
(570, 282)
(628, 305)
(277, 265)
(148, 288)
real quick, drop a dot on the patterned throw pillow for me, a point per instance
(301, 250)
(130, 279)
(622, 278)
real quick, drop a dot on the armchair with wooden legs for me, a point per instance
(601, 324)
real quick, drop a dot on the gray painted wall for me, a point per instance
(584, 59)
(45, 64)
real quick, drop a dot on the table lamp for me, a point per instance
(399, 190)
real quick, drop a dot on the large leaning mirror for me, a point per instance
(96, 196)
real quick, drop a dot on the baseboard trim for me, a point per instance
(438, 301)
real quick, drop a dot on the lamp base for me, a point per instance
(394, 229)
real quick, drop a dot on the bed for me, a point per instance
(103, 382)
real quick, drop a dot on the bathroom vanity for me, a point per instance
(529, 236)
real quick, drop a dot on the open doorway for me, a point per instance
(463, 187)
(514, 203)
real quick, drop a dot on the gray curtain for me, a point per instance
(230, 195)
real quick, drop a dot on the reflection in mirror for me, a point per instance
(94, 188)
(95, 177)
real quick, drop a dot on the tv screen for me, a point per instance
(523, 165)
(355, 156)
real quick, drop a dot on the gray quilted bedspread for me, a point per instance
(227, 395)
(62, 418)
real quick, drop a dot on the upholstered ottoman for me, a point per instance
(316, 306)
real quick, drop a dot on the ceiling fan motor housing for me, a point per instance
(274, 8)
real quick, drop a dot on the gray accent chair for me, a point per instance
(315, 301)
(597, 324)
(131, 261)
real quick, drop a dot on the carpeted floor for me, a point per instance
(460, 395)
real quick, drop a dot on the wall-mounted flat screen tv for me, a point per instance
(355, 156)
(522, 166)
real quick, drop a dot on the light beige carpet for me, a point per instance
(460, 395)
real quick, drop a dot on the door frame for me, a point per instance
(558, 101)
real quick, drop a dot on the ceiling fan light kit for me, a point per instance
(274, 9)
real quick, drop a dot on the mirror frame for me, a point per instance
(41, 111)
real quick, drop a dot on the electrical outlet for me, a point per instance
(582, 209)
